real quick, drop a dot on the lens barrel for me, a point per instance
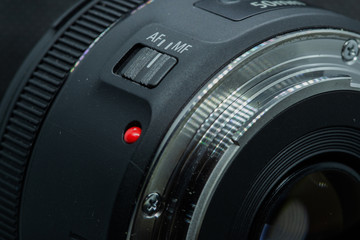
(187, 120)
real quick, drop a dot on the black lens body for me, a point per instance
(66, 171)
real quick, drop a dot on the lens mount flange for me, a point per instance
(216, 124)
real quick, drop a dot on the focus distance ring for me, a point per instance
(23, 119)
(218, 122)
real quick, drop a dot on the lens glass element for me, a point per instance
(320, 205)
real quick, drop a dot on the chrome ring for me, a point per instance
(217, 122)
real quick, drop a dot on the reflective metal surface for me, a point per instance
(219, 120)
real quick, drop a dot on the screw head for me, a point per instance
(350, 50)
(152, 204)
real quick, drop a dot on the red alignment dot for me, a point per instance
(132, 134)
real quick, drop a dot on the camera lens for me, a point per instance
(317, 205)
(204, 119)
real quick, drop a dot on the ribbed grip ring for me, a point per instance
(35, 99)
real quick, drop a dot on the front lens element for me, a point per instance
(321, 205)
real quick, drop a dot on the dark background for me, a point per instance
(23, 22)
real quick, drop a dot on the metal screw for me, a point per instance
(152, 204)
(350, 50)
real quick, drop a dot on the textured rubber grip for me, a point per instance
(35, 100)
